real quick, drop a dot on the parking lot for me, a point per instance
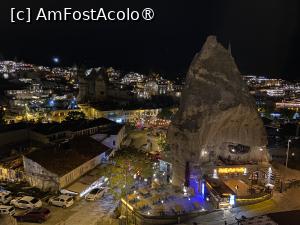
(82, 212)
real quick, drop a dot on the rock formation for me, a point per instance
(217, 118)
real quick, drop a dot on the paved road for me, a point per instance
(82, 213)
(280, 202)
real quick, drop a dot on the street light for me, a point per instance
(287, 153)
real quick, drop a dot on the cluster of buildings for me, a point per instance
(30, 92)
(38, 93)
(274, 93)
(53, 156)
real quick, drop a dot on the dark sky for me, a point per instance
(264, 35)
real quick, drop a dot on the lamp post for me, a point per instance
(287, 152)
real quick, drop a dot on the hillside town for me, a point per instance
(133, 148)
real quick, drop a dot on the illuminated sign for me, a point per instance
(232, 170)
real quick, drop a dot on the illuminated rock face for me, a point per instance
(216, 114)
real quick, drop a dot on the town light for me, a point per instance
(215, 174)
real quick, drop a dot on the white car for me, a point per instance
(7, 209)
(26, 202)
(96, 193)
(63, 201)
(5, 197)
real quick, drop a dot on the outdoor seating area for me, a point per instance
(164, 200)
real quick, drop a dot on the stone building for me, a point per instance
(93, 87)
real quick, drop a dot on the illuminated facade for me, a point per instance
(120, 116)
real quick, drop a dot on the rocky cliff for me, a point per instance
(217, 118)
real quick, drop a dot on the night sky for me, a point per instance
(264, 35)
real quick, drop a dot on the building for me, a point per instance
(292, 104)
(22, 139)
(57, 166)
(125, 115)
(93, 86)
(112, 132)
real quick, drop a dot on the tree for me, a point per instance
(75, 115)
(162, 143)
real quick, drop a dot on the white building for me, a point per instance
(57, 166)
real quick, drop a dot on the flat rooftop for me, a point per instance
(107, 125)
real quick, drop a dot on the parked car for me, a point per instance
(26, 202)
(63, 201)
(69, 193)
(7, 209)
(96, 193)
(5, 197)
(34, 215)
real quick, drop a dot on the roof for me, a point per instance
(76, 125)
(13, 127)
(63, 158)
(27, 198)
(119, 104)
(64, 197)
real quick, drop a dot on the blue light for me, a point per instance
(51, 103)
(203, 189)
(194, 184)
(232, 199)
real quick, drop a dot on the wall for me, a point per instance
(79, 171)
(114, 141)
(137, 218)
(38, 176)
